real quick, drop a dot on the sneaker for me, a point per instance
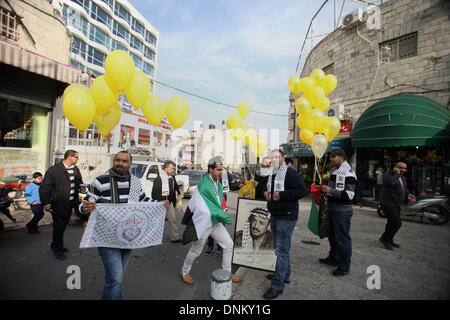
(209, 252)
(395, 245)
(386, 245)
(60, 255)
(270, 277)
(187, 278)
(272, 293)
(220, 250)
(339, 272)
(329, 261)
(236, 279)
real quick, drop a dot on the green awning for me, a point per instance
(401, 121)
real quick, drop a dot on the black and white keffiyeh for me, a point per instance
(247, 240)
(279, 179)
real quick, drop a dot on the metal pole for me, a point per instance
(334, 15)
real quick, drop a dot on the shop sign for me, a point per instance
(346, 127)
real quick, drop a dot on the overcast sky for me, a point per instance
(233, 51)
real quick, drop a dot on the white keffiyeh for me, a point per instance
(279, 179)
(247, 240)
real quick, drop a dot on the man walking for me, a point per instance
(283, 190)
(394, 194)
(204, 217)
(341, 192)
(165, 187)
(59, 195)
(116, 186)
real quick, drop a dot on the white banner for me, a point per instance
(125, 225)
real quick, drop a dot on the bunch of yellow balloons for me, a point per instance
(241, 128)
(81, 106)
(317, 130)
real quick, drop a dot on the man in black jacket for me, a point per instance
(283, 190)
(261, 177)
(168, 193)
(59, 195)
(395, 193)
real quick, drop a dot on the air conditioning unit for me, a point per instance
(352, 17)
(336, 110)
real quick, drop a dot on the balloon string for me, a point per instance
(316, 165)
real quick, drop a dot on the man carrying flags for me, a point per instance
(204, 217)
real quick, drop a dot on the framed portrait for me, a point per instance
(253, 246)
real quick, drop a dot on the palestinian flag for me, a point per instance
(313, 223)
(204, 210)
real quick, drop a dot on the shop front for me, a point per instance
(406, 128)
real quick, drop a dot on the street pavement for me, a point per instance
(420, 269)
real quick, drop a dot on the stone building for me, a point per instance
(408, 53)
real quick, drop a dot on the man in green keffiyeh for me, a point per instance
(204, 217)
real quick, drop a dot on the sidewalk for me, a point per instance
(420, 269)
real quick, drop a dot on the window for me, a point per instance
(74, 19)
(99, 36)
(150, 38)
(144, 136)
(96, 57)
(137, 61)
(149, 54)
(137, 26)
(79, 47)
(77, 65)
(117, 46)
(153, 172)
(135, 43)
(120, 31)
(122, 12)
(100, 15)
(8, 24)
(83, 3)
(110, 3)
(90, 137)
(400, 48)
(138, 169)
(148, 69)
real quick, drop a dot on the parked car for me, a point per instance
(148, 171)
(194, 177)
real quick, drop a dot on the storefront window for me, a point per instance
(23, 138)
(91, 137)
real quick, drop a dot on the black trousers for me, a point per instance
(393, 222)
(60, 221)
(38, 211)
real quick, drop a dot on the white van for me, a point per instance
(148, 171)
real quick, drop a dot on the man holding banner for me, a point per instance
(119, 223)
(204, 217)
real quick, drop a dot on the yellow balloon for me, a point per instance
(259, 146)
(228, 123)
(75, 86)
(315, 115)
(323, 103)
(293, 84)
(317, 75)
(306, 85)
(153, 109)
(243, 109)
(236, 121)
(303, 106)
(317, 94)
(120, 69)
(334, 126)
(306, 135)
(328, 83)
(106, 122)
(305, 123)
(250, 136)
(323, 124)
(111, 85)
(139, 89)
(79, 109)
(102, 94)
(236, 133)
(177, 111)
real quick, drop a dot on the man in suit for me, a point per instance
(168, 193)
(255, 234)
(394, 194)
(59, 195)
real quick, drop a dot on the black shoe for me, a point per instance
(272, 293)
(395, 245)
(339, 272)
(62, 250)
(270, 276)
(31, 231)
(386, 245)
(329, 261)
(60, 255)
(209, 252)
(176, 241)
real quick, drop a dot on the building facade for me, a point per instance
(35, 71)
(408, 54)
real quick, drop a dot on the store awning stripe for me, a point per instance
(380, 105)
(399, 125)
(414, 115)
(30, 61)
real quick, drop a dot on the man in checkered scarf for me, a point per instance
(255, 233)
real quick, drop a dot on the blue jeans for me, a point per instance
(282, 230)
(115, 262)
(339, 237)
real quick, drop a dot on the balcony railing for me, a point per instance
(8, 25)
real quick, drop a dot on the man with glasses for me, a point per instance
(59, 195)
(394, 195)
